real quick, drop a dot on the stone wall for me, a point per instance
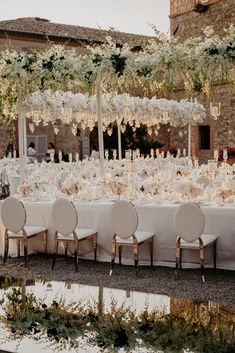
(186, 22)
(5, 137)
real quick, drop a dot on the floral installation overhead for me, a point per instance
(123, 109)
(161, 66)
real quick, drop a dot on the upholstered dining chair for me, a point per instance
(124, 222)
(14, 217)
(65, 220)
(189, 224)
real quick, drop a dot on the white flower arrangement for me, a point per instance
(116, 185)
(73, 184)
(151, 186)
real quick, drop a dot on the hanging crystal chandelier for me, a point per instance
(74, 129)
(32, 127)
(56, 128)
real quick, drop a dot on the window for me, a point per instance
(204, 137)
(40, 142)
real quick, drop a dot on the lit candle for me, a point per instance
(52, 156)
(216, 154)
(60, 156)
(225, 155)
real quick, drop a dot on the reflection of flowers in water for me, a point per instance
(115, 329)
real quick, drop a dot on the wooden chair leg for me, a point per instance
(214, 248)
(120, 254)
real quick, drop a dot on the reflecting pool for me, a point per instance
(52, 316)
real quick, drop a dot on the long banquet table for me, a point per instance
(157, 218)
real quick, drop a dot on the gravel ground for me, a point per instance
(219, 285)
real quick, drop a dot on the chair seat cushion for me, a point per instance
(83, 233)
(64, 237)
(207, 239)
(30, 231)
(140, 237)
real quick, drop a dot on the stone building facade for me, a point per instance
(188, 18)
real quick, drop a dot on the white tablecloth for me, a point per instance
(152, 217)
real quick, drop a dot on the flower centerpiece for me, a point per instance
(73, 184)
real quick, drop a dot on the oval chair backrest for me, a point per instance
(189, 221)
(62, 179)
(64, 216)
(123, 219)
(13, 214)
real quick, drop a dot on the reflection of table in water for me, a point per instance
(152, 217)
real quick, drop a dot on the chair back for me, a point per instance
(123, 219)
(189, 221)
(62, 179)
(64, 216)
(13, 214)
